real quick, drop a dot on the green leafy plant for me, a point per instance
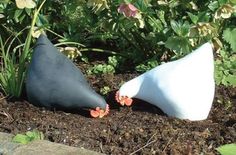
(105, 68)
(225, 69)
(179, 42)
(226, 102)
(146, 66)
(154, 30)
(28, 137)
(105, 90)
(10, 80)
(101, 69)
(179, 25)
(13, 69)
(229, 36)
(228, 149)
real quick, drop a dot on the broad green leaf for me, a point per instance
(155, 23)
(126, 1)
(1, 16)
(231, 79)
(161, 15)
(228, 149)
(42, 20)
(17, 15)
(181, 29)
(21, 18)
(20, 138)
(176, 27)
(178, 44)
(203, 17)
(97, 6)
(28, 11)
(222, 2)
(173, 4)
(193, 17)
(31, 133)
(4, 1)
(213, 6)
(142, 4)
(28, 137)
(21, 4)
(230, 36)
(233, 1)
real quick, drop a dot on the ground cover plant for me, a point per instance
(113, 41)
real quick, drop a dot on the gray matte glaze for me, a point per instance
(53, 81)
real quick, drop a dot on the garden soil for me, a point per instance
(139, 129)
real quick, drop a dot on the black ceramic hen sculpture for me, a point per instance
(53, 81)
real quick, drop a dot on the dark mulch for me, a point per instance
(142, 128)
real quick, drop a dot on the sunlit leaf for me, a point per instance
(221, 2)
(37, 32)
(155, 23)
(228, 149)
(142, 4)
(232, 80)
(4, 1)
(213, 6)
(17, 15)
(97, 5)
(20, 138)
(203, 17)
(178, 44)
(176, 27)
(233, 1)
(193, 17)
(181, 29)
(21, 4)
(1, 16)
(230, 36)
(225, 11)
(34, 135)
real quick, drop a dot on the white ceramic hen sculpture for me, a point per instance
(183, 88)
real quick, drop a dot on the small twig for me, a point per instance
(122, 121)
(143, 147)
(148, 143)
(6, 114)
(167, 145)
(3, 113)
(101, 147)
(3, 98)
(152, 137)
(189, 148)
(102, 51)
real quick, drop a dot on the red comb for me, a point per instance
(98, 112)
(123, 100)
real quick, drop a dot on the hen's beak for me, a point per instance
(98, 112)
(123, 100)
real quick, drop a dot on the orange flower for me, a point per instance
(123, 100)
(98, 112)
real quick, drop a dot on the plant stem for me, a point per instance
(22, 66)
(56, 34)
(102, 51)
(67, 43)
(29, 36)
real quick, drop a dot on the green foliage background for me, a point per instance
(163, 31)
